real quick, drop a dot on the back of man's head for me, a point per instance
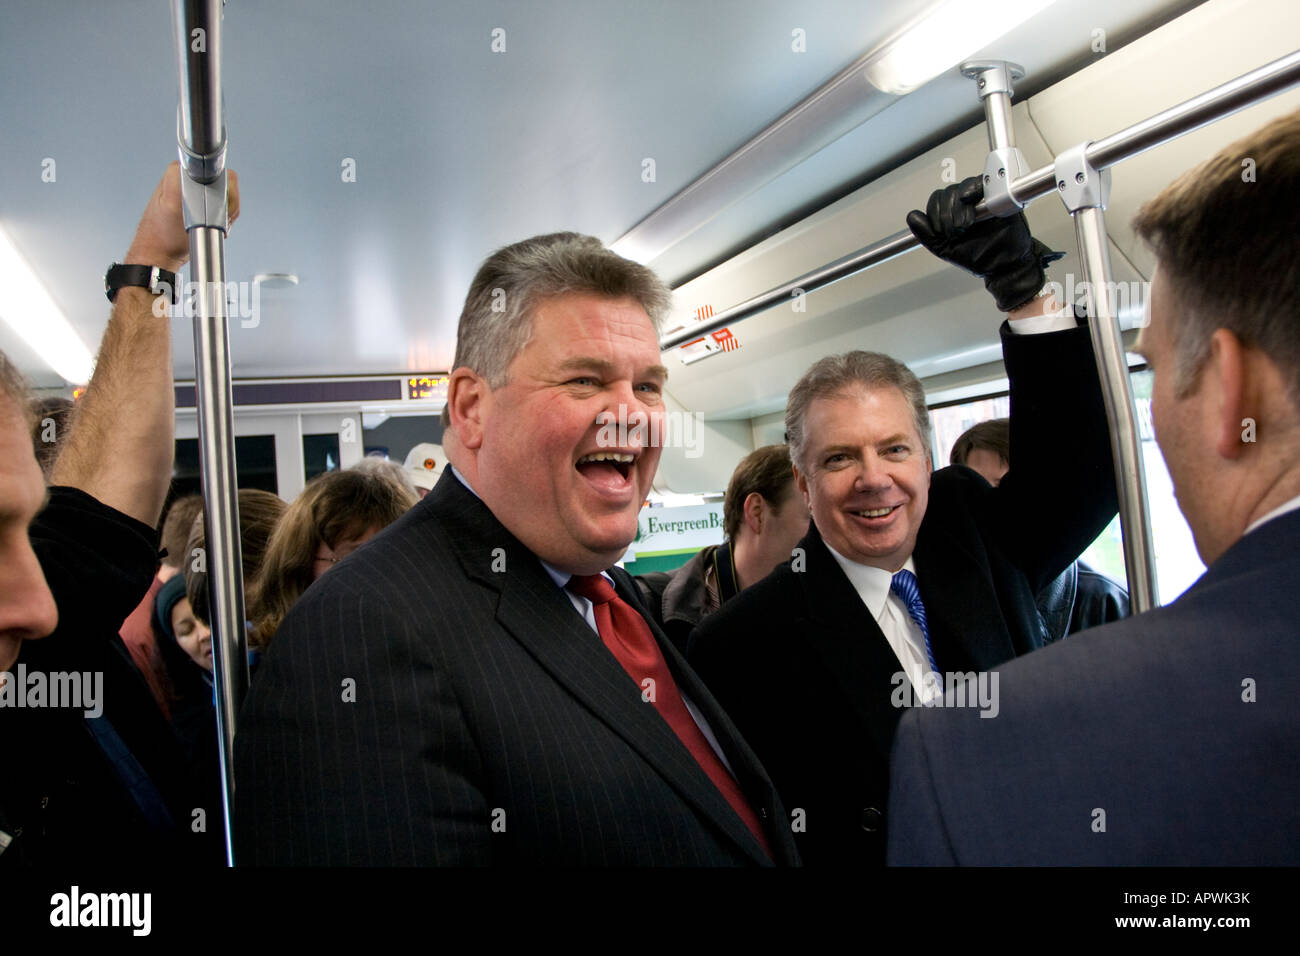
(1224, 333)
(176, 529)
(765, 471)
(984, 447)
(993, 435)
(1227, 237)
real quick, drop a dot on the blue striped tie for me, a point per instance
(905, 586)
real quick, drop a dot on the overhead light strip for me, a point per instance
(26, 306)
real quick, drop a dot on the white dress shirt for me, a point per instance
(903, 634)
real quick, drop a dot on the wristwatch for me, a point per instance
(157, 280)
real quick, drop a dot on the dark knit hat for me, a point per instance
(168, 596)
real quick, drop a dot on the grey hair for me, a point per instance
(374, 465)
(834, 374)
(497, 320)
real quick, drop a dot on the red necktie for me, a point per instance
(628, 638)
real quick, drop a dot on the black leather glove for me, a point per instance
(1000, 251)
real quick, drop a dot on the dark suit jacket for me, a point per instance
(65, 796)
(436, 699)
(804, 670)
(1178, 725)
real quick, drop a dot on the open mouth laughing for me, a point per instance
(611, 472)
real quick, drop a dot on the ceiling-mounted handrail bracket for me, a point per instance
(1079, 183)
(995, 83)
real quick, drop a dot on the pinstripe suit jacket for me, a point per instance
(436, 699)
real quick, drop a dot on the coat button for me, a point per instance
(762, 813)
(872, 819)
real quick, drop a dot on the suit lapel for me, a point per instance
(537, 614)
(850, 643)
(968, 628)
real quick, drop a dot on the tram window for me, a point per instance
(1177, 565)
(254, 464)
(949, 422)
(320, 453)
(400, 433)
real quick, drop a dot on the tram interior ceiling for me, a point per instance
(760, 157)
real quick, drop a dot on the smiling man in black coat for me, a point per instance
(906, 577)
(1168, 739)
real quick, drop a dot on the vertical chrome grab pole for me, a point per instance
(201, 138)
(1084, 189)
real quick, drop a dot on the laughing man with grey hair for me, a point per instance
(511, 702)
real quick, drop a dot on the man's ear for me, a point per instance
(1230, 403)
(755, 511)
(801, 486)
(468, 397)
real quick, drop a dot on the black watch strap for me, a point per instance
(157, 280)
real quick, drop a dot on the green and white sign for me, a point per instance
(666, 531)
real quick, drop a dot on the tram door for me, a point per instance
(277, 451)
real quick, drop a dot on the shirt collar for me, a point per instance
(1279, 511)
(871, 583)
(561, 578)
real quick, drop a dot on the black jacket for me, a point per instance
(802, 667)
(1168, 739)
(436, 699)
(64, 786)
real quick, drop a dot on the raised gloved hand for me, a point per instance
(1000, 251)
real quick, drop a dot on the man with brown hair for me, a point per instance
(1167, 739)
(763, 518)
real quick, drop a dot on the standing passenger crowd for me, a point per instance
(450, 667)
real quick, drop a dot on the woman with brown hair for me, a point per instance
(336, 513)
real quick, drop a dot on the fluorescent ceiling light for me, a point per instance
(942, 37)
(29, 310)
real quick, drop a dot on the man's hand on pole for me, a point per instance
(1000, 251)
(161, 239)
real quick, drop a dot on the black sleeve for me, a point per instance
(1060, 491)
(99, 564)
(353, 748)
